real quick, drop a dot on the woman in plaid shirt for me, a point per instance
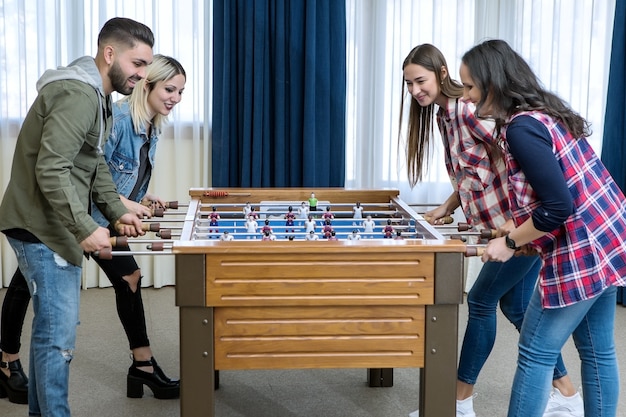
(478, 174)
(565, 205)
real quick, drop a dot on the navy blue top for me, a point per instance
(530, 143)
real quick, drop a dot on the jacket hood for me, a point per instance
(83, 69)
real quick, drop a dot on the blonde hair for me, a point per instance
(162, 68)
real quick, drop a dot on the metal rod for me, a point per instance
(108, 254)
(144, 241)
(484, 234)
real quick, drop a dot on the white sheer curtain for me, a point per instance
(35, 36)
(381, 33)
(566, 42)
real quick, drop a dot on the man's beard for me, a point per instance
(119, 80)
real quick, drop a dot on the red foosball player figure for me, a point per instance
(213, 226)
(213, 221)
(328, 228)
(266, 227)
(214, 214)
(398, 235)
(289, 223)
(332, 236)
(388, 230)
(253, 214)
(328, 215)
(268, 235)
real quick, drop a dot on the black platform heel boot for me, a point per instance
(16, 385)
(159, 371)
(162, 387)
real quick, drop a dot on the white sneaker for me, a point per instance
(464, 408)
(562, 406)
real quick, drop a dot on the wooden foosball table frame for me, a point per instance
(376, 304)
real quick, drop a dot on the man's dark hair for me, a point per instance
(121, 30)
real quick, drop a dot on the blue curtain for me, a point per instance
(614, 141)
(279, 93)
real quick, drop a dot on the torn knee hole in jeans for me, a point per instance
(67, 354)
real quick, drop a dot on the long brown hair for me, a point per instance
(420, 123)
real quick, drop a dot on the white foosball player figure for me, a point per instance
(246, 210)
(354, 235)
(310, 225)
(226, 236)
(251, 225)
(357, 211)
(312, 236)
(369, 224)
(303, 211)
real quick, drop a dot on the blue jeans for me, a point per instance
(54, 285)
(511, 284)
(543, 334)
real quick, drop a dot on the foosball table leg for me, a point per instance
(197, 366)
(380, 377)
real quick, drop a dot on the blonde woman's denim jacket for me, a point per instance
(122, 151)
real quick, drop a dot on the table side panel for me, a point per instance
(319, 337)
(319, 278)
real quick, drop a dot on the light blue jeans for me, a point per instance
(54, 285)
(510, 284)
(543, 334)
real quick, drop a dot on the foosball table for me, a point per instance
(376, 303)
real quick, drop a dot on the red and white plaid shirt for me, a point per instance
(479, 180)
(587, 253)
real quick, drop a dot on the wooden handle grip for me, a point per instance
(474, 251)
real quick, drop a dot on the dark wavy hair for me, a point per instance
(509, 86)
(420, 124)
